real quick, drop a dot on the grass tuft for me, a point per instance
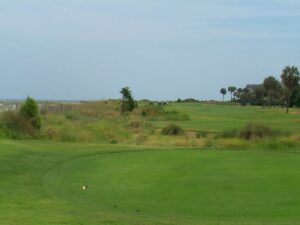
(173, 130)
(254, 131)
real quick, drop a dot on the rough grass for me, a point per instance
(203, 124)
(252, 131)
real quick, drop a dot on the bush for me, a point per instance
(30, 111)
(144, 113)
(15, 125)
(128, 103)
(254, 131)
(172, 129)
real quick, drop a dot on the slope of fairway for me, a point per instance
(217, 118)
(186, 185)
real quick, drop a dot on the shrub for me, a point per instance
(14, 125)
(128, 103)
(172, 129)
(144, 113)
(30, 111)
(254, 131)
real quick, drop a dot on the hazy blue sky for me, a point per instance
(162, 49)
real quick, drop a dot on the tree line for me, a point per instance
(271, 92)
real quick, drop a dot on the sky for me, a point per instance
(161, 49)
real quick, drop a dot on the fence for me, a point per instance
(9, 106)
(43, 106)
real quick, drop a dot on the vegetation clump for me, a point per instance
(15, 126)
(23, 123)
(172, 130)
(253, 131)
(128, 103)
(30, 111)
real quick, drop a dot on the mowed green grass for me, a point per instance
(41, 183)
(218, 118)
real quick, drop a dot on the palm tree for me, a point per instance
(290, 79)
(223, 92)
(231, 89)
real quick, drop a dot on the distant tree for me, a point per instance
(223, 91)
(238, 93)
(290, 79)
(272, 88)
(128, 103)
(179, 100)
(259, 95)
(295, 99)
(245, 96)
(231, 89)
(30, 111)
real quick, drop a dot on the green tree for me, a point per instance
(290, 79)
(30, 111)
(245, 96)
(238, 93)
(223, 91)
(128, 103)
(259, 95)
(179, 100)
(295, 99)
(231, 89)
(272, 88)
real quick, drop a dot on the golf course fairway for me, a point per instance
(182, 186)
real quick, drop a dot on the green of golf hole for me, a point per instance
(185, 184)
